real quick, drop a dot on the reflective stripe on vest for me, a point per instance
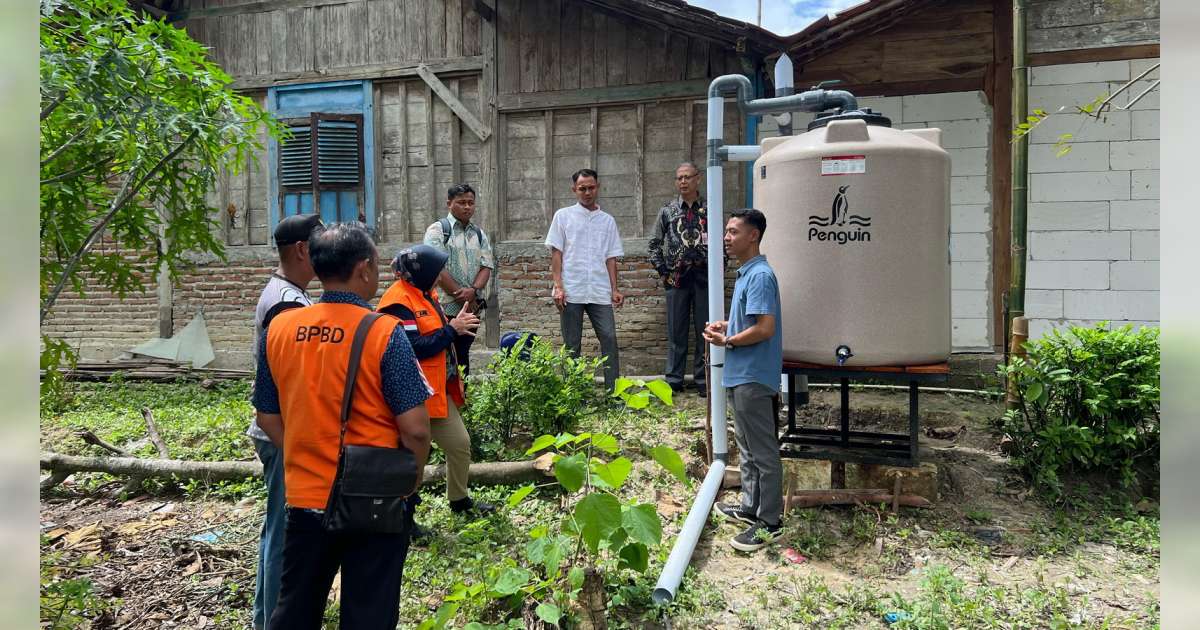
(426, 322)
(308, 350)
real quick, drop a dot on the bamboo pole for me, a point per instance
(1020, 172)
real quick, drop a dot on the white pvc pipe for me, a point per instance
(742, 152)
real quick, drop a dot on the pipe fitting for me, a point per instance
(843, 354)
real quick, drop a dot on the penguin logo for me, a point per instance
(838, 211)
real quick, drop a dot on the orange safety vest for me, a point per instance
(308, 350)
(427, 321)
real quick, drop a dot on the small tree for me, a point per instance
(135, 124)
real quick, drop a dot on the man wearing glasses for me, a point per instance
(679, 252)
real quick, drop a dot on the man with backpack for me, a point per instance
(465, 279)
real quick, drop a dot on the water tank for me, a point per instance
(858, 233)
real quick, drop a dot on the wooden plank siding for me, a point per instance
(563, 45)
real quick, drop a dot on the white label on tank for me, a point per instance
(843, 165)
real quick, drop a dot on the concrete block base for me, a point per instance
(811, 474)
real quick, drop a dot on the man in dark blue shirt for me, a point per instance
(753, 339)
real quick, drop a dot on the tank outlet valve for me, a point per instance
(843, 353)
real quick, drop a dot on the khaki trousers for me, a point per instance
(450, 434)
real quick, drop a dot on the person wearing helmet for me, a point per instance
(413, 299)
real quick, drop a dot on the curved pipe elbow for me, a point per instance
(728, 82)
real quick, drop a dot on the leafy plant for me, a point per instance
(66, 601)
(598, 533)
(1087, 403)
(540, 391)
(637, 393)
(136, 122)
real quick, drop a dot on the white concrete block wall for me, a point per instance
(965, 121)
(1093, 213)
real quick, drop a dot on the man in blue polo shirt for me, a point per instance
(753, 340)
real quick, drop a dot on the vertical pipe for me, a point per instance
(1020, 170)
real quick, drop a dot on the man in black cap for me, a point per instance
(285, 290)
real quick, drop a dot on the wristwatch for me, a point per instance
(729, 342)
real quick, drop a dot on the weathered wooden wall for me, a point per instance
(945, 47)
(292, 37)
(553, 45)
(1076, 24)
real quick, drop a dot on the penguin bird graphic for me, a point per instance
(840, 207)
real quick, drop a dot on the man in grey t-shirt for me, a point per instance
(285, 290)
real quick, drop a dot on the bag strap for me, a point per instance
(356, 350)
(445, 223)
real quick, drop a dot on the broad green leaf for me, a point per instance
(1033, 392)
(511, 581)
(598, 516)
(635, 556)
(519, 495)
(641, 521)
(575, 577)
(669, 459)
(563, 439)
(443, 616)
(541, 443)
(555, 552)
(535, 551)
(474, 625)
(640, 400)
(618, 538)
(571, 471)
(621, 385)
(548, 612)
(606, 443)
(662, 390)
(615, 472)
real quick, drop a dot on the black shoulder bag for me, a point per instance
(372, 485)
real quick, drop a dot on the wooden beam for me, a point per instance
(490, 187)
(455, 140)
(604, 95)
(472, 121)
(459, 65)
(430, 160)
(405, 211)
(548, 158)
(594, 139)
(902, 88)
(638, 175)
(1001, 97)
(254, 7)
(1093, 55)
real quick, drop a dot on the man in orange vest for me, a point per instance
(414, 301)
(302, 366)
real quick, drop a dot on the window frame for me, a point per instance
(329, 100)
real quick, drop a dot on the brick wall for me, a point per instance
(1093, 213)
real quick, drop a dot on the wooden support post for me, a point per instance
(405, 212)
(430, 161)
(594, 140)
(491, 188)
(473, 123)
(689, 112)
(548, 154)
(246, 205)
(223, 196)
(455, 141)
(638, 175)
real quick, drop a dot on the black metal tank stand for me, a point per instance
(842, 444)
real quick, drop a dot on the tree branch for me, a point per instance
(127, 192)
(72, 173)
(53, 105)
(63, 147)
(154, 436)
(93, 439)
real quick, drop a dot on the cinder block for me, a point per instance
(969, 275)
(970, 218)
(1134, 276)
(1069, 96)
(1097, 186)
(1143, 184)
(964, 247)
(968, 304)
(1080, 73)
(1133, 155)
(1043, 304)
(1111, 305)
(947, 106)
(1079, 246)
(921, 481)
(1145, 125)
(1114, 126)
(1138, 66)
(970, 333)
(890, 106)
(805, 474)
(1148, 102)
(1039, 327)
(1144, 245)
(970, 189)
(968, 161)
(1083, 156)
(1141, 214)
(961, 134)
(1068, 215)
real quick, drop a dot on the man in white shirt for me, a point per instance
(584, 247)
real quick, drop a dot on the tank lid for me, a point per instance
(871, 117)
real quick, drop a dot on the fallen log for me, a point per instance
(813, 498)
(483, 473)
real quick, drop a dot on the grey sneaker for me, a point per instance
(757, 536)
(730, 512)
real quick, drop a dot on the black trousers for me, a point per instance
(462, 351)
(687, 312)
(371, 564)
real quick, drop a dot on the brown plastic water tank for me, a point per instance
(858, 233)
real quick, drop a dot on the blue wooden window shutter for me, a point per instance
(324, 165)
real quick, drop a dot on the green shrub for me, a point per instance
(1087, 403)
(545, 393)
